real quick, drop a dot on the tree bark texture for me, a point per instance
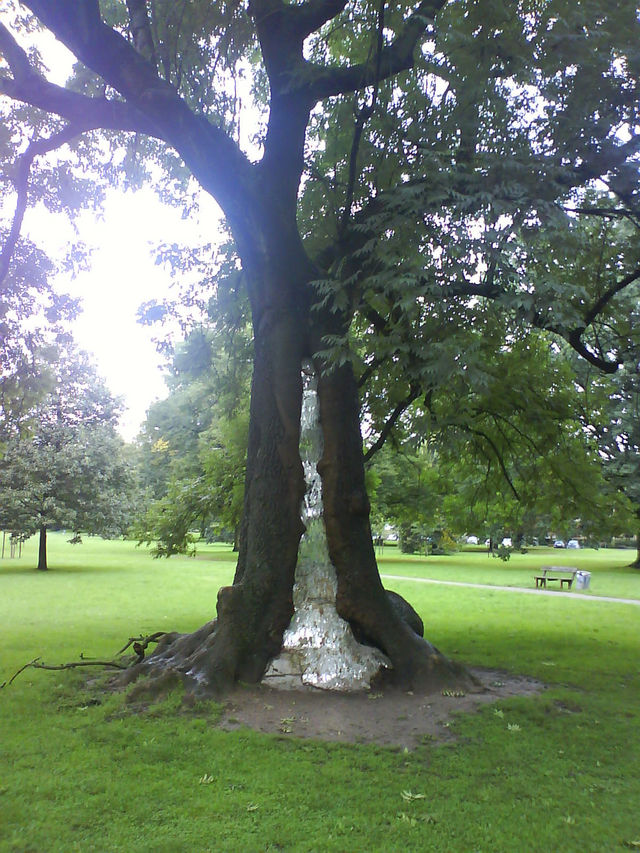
(361, 598)
(254, 612)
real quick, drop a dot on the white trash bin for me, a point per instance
(583, 579)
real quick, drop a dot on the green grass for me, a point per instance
(611, 574)
(558, 771)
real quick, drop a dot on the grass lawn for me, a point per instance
(556, 772)
(609, 568)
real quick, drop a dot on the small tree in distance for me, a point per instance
(69, 471)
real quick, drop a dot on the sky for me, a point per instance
(122, 275)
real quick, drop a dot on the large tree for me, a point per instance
(413, 162)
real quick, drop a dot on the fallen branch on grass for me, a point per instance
(35, 664)
(139, 645)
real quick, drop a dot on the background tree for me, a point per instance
(70, 470)
(419, 168)
(405, 492)
(193, 444)
(34, 324)
(612, 414)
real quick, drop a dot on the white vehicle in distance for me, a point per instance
(573, 543)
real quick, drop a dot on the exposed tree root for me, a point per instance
(201, 662)
(35, 664)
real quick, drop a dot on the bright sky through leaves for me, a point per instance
(122, 273)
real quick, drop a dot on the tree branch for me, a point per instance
(498, 457)
(605, 212)
(313, 14)
(29, 87)
(608, 295)
(391, 421)
(140, 27)
(362, 118)
(35, 664)
(574, 339)
(397, 57)
(608, 159)
(574, 336)
(213, 157)
(370, 369)
(21, 183)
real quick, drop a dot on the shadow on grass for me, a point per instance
(61, 570)
(216, 556)
(409, 559)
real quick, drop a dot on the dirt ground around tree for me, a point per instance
(389, 718)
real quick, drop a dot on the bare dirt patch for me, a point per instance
(390, 718)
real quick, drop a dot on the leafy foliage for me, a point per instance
(69, 470)
(502, 452)
(193, 446)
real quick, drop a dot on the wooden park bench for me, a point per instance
(564, 574)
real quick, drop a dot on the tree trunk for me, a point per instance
(254, 612)
(361, 598)
(42, 549)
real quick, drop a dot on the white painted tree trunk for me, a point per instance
(319, 648)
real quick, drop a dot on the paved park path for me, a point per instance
(486, 586)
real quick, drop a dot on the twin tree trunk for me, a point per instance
(254, 612)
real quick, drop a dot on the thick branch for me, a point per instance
(214, 158)
(281, 37)
(610, 158)
(605, 212)
(574, 336)
(29, 87)
(608, 295)
(140, 27)
(397, 57)
(314, 14)
(574, 339)
(299, 21)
